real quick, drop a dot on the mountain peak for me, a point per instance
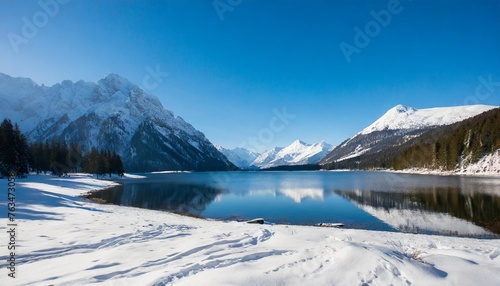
(111, 114)
(297, 153)
(114, 81)
(403, 117)
(397, 126)
(113, 76)
(4, 78)
(324, 144)
(402, 108)
(239, 156)
(299, 142)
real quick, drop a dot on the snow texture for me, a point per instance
(488, 165)
(66, 240)
(409, 118)
(399, 125)
(107, 114)
(240, 157)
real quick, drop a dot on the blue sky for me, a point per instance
(230, 70)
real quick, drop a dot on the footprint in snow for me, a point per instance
(494, 254)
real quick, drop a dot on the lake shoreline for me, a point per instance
(441, 173)
(310, 198)
(93, 197)
(119, 244)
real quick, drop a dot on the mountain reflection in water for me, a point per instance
(451, 205)
(182, 198)
(424, 210)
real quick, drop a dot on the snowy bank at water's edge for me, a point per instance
(488, 166)
(64, 239)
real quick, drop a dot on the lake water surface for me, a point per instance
(450, 205)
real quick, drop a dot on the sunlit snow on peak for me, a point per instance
(409, 118)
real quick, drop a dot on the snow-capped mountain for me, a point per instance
(113, 114)
(408, 118)
(266, 158)
(398, 125)
(240, 157)
(297, 153)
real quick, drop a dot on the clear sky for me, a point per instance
(335, 65)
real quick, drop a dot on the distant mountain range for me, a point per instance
(397, 126)
(240, 157)
(112, 114)
(115, 114)
(297, 153)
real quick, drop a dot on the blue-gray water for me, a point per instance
(452, 205)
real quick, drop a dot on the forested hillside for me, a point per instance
(451, 146)
(446, 148)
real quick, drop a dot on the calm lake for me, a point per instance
(449, 205)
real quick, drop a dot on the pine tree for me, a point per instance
(46, 157)
(21, 151)
(107, 162)
(119, 166)
(101, 164)
(116, 164)
(60, 159)
(14, 155)
(7, 147)
(74, 157)
(91, 160)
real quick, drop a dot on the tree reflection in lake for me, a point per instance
(454, 205)
(176, 197)
(424, 209)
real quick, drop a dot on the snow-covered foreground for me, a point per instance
(66, 240)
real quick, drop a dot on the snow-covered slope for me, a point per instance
(409, 118)
(240, 157)
(488, 165)
(398, 125)
(267, 157)
(113, 114)
(297, 153)
(64, 240)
